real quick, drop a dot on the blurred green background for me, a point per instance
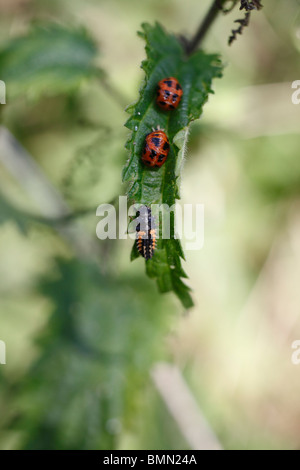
(83, 326)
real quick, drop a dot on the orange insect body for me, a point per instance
(169, 93)
(156, 149)
(146, 235)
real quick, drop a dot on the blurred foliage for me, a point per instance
(88, 380)
(83, 333)
(9, 212)
(86, 171)
(47, 61)
(277, 176)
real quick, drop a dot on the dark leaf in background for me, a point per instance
(82, 391)
(47, 61)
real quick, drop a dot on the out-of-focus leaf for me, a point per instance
(9, 213)
(92, 176)
(47, 61)
(96, 352)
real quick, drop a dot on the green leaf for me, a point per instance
(47, 61)
(10, 213)
(92, 174)
(165, 58)
(96, 351)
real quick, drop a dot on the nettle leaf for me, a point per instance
(48, 60)
(93, 172)
(165, 58)
(94, 362)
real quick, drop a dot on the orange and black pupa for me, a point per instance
(145, 233)
(169, 93)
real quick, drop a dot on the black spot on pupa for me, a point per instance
(171, 106)
(144, 152)
(155, 141)
(178, 87)
(166, 146)
(168, 83)
(162, 102)
(161, 157)
(153, 154)
(167, 93)
(174, 98)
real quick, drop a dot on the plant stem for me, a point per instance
(210, 17)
